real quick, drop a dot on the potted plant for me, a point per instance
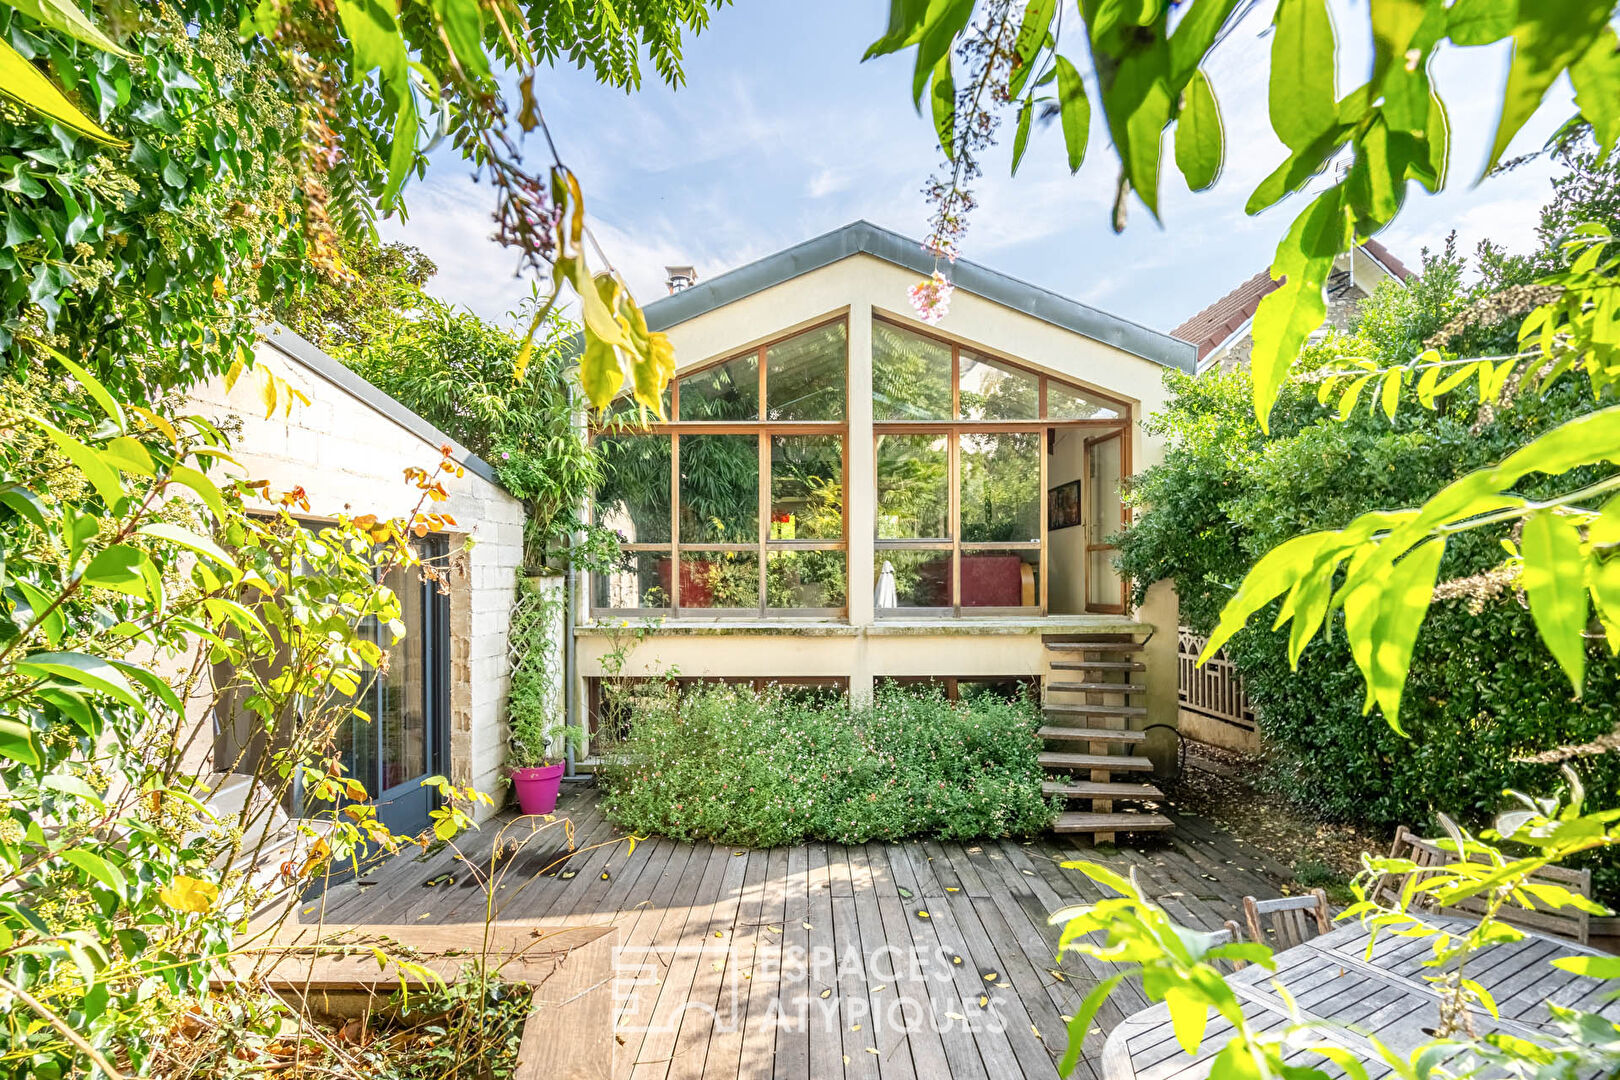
(536, 758)
(538, 738)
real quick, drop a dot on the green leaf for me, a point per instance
(1593, 967)
(1596, 76)
(1200, 141)
(941, 23)
(185, 538)
(1081, 1024)
(1382, 618)
(1075, 109)
(1554, 580)
(17, 742)
(1377, 181)
(129, 456)
(1389, 395)
(1033, 32)
(205, 488)
(402, 150)
(905, 26)
(1195, 34)
(118, 568)
(1021, 135)
(98, 868)
(942, 97)
(22, 82)
(463, 23)
(102, 476)
(600, 372)
(62, 15)
(1480, 22)
(90, 672)
(1137, 102)
(1275, 574)
(1297, 171)
(1189, 1015)
(93, 387)
(1304, 62)
(1548, 37)
(1352, 394)
(1290, 312)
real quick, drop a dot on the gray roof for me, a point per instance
(310, 356)
(864, 238)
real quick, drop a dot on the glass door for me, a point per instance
(1105, 516)
(408, 702)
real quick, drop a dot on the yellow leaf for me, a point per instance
(189, 894)
(25, 84)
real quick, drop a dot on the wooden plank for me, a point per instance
(900, 1013)
(792, 1061)
(957, 1043)
(1112, 762)
(698, 996)
(764, 974)
(856, 994)
(1101, 789)
(1065, 733)
(1115, 822)
(1097, 665)
(724, 1053)
(821, 989)
(1094, 710)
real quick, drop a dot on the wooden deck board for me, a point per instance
(736, 949)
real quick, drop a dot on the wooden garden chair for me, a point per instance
(1567, 922)
(1228, 933)
(1293, 920)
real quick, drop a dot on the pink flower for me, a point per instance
(931, 297)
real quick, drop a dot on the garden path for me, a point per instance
(918, 959)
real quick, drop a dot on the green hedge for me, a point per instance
(738, 766)
(1484, 692)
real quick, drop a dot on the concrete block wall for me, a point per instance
(349, 449)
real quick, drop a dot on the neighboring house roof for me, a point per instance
(310, 356)
(1226, 316)
(864, 238)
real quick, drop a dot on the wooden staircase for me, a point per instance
(1088, 705)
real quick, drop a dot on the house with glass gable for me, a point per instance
(842, 494)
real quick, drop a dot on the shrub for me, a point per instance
(739, 766)
(1484, 693)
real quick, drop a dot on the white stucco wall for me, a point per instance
(350, 457)
(865, 647)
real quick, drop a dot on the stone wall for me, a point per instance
(349, 449)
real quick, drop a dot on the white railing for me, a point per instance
(1214, 690)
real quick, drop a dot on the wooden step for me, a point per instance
(1075, 822)
(1094, 710)
(1100, 687)
(1100, 789)
(1096, 646)
(1053, 759)
(1090, 734)
(1097, 665)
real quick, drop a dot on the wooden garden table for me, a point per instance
(1331, 978)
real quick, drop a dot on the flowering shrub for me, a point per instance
(739, 766)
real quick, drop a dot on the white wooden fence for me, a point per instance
(1215, 690)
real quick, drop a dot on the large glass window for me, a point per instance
(960, 456)
(721, 511)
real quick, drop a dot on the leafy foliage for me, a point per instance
(455, 371)
(738, 766)
(1147, 62)
(1483, 693)
(537, 735)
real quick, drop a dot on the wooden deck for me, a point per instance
(919, 959)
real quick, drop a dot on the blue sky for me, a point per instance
(780, 133)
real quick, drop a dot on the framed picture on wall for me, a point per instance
(1063, 506)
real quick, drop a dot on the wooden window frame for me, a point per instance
(763, 546)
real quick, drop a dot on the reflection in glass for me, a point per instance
(719, 489)
(626, 413)
(639, 579)
(805, 579)
(402, 693)
(805, 375)
(1001, 578)
(633, 498)
(728, 391)
(1001, 487)
(911, 375)
(719, 579)
(913, 579)
(1104, 587)
(913, 487)
(1107, 509)
(807, 487)
(991, 390)
(1072, 403)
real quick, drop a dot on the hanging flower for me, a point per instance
(931, 297)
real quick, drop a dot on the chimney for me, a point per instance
(680, 277)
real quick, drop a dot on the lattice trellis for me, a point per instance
(539, 603)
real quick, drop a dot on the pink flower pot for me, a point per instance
(537, 787)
